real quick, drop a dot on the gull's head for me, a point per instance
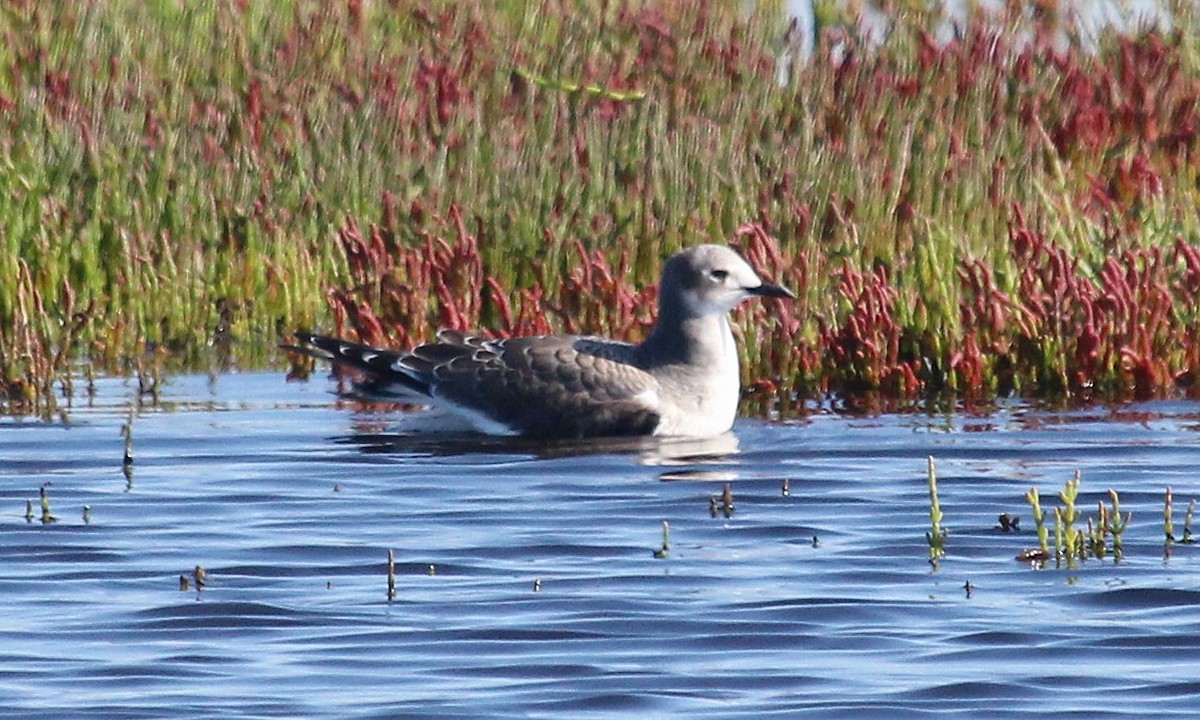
(711, 280)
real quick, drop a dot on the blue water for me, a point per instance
(290, 500)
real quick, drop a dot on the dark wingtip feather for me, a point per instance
(378, 364)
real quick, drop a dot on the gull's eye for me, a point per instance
(719, 275)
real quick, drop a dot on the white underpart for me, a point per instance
(475, 419)
(710, 410)
(648, 398)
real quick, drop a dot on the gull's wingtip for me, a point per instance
(316, 346)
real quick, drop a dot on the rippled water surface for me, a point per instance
(526, 579)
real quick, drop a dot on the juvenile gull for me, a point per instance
(683, 380)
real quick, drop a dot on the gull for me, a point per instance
(683, 380)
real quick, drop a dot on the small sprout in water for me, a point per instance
(200, 575)
(87, 514)
(1060, 533)
(537, 585)
(184, 585)
(1116, 524)
(1009, 523)
(1039, 519)
(28, 511)
(722, 504)
(816, 541)
(328, 584)
(968, 588)
(432, 570)
(936, 536)
(666, 541)
(1068, 541)
(1187, 523)
(1168, 524)
(47, 518)
(787, 487)
(127, 433)
(337, 487)
(1096, 534)
(391, 575)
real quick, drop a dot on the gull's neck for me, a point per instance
(695, 362)
(680, 338)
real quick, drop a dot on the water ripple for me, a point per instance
(530, 579)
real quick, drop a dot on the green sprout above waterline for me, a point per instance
(936, 536)
(1071, 543)
(1116, 524)
(47, 518)
(1039, 521)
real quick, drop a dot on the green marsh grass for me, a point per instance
(1010, 210)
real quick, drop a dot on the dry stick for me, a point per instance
(391, 575)
(127, 433)
(666, 541)
(1187, 523)
(1168, 524)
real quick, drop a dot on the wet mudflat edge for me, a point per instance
(526, 578)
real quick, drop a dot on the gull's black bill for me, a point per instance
(772, 290)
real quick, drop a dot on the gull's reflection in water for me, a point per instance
(695, 459)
